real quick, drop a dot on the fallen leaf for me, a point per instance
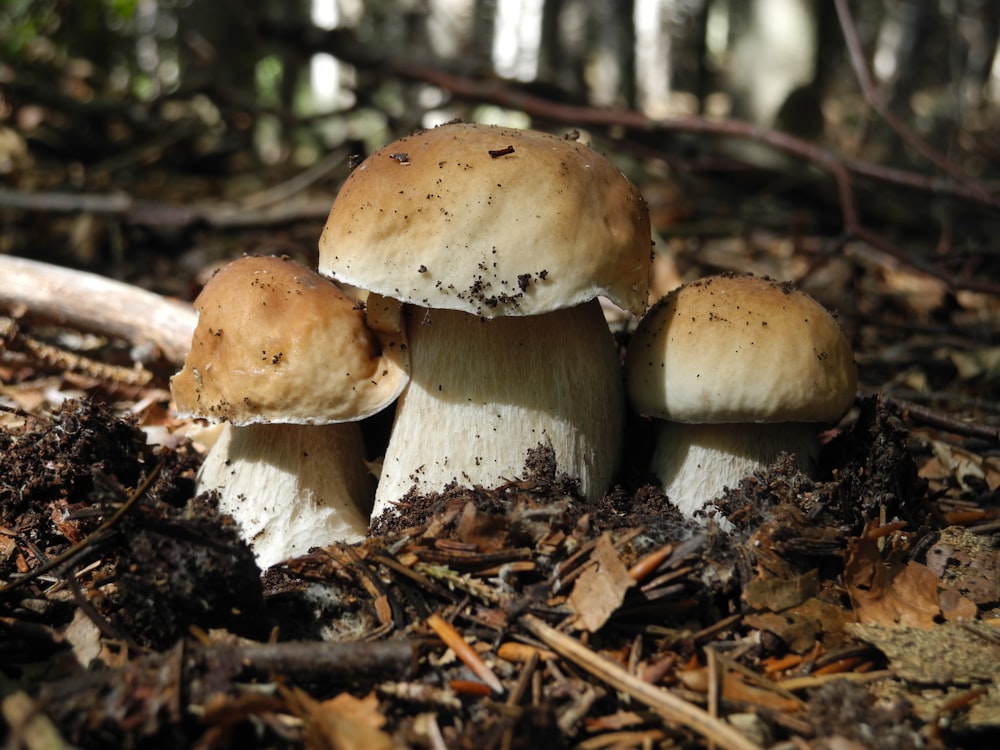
(890, 593)
(600, 589)
(777, 594)
(983, 362)
(361, 710)
(966, 562)
(341, 723)
(798, 634)
(954, 606)
(487, 532)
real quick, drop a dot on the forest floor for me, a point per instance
(857, 609)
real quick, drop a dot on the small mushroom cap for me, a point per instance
(277, 342)
(740, 349)
(491, 221)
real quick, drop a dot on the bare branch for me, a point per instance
(98, 304)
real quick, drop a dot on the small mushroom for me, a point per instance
(499, 242)
(288, 364)
(740, 369)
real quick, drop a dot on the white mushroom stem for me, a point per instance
(483, 392)
(290, 487)
(697, 462)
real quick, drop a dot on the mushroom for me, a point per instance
(499, 242)
(740, 369)
(287, 363)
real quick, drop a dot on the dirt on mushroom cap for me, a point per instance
(491, 221)
(740, 349)
(276, 342)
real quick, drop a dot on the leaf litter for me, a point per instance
(858, 609)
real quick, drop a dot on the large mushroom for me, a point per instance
(740, 370)
(499, 242)
(287, 363)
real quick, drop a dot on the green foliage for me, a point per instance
(124, 10)
(268, 72)
(22, 23)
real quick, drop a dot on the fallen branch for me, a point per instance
(156, 214)
(318, 660)
(955, 425)
(97, 304)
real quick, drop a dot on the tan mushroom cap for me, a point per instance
(491, 221)
(740, 349)
(277, 342)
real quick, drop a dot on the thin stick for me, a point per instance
(380, 660)
(89, 540)
(876, 102)
(669, 706)
(454, 640)
(944, 421)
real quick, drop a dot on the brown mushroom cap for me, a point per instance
(277, 342)
(740, 349)
(491, 221)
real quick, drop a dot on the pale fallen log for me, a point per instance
(97, 304)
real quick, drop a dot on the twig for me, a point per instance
(944, 421)
(379, 660)
(98, 304)
(648, 564)
(669, 706)
(14, 338)
(874, 100)
(454, 640)
(296, 184)
(841, 167)
(815, 681)
(153, 213)
(89, 540)
(499, 92)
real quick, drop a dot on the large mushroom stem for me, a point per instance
(695, 463)
(482, 392)
(256, 469)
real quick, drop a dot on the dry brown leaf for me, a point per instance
(968, 469)
(600, 589)
(487, 532)
(954, 606)
(975, 363)
(361, 710)
(341, 723)
(778, 594)
(920, 292)
(967, 562)
(890, 594)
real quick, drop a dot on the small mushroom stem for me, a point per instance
(697, 462)
(291, 487)
(483, 392)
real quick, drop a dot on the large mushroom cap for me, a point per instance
(491, 221)
(277, 342)
(740, 349)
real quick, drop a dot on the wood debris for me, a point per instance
(861, 607)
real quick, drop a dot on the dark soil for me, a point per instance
(103, 529)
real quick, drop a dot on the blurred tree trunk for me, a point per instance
(623, 42)
(687, 23)
(484, 15)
